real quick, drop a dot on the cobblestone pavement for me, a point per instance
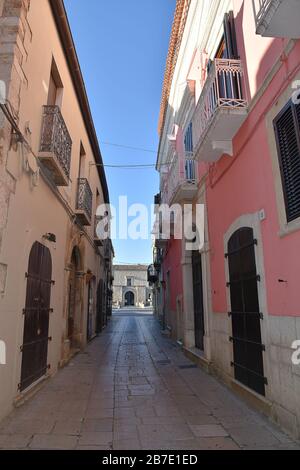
(134, 389)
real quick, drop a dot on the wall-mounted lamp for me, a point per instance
(50, 237)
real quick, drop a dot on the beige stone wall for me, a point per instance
(29, 206)
(283, 389)
(140, 286)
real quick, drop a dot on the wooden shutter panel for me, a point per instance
(287, 127)
(230, 36)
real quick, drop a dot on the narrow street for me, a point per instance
(134, 389)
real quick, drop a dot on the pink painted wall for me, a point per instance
(172, 263)
(249, 175)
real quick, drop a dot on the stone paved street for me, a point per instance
(134, 389)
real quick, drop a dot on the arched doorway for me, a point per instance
(36, 312)
(74, 307)
(129, 299)
(245, 310)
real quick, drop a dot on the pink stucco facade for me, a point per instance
(249, 175)
(241, 185)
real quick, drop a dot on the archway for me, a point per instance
(74, 307)
(129, 299)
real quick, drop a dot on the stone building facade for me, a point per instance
(131, 287)
(55, 274)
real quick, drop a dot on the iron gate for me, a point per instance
(245, 312)
(36, 313)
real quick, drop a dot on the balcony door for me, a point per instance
(228, 86)
(190, 173)
(198, 300)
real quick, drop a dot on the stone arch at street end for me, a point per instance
(129, 298)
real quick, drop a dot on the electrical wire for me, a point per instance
(140, 149)
(11, 119)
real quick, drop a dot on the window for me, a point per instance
(129, 282)
(55, 89)
(287, 131)
(82, 158)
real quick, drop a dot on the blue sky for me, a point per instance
(122, 48)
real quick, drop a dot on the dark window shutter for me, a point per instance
(230, 36)
(287, 130)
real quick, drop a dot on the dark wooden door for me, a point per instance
(246, 316)
(129, 299)
(198, 300)
(36, 312)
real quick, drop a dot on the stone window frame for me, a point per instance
(252, 221)
(285, 227)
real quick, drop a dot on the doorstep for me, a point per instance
(27, 394)
(255, 400)
(198, 357)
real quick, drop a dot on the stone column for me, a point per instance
(188, 297)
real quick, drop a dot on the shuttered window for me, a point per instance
(231, 49)
(287, 130)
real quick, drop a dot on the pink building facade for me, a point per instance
(230, 139)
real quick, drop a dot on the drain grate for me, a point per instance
(190, 366)
(163, 362)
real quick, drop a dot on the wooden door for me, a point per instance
(36, 313)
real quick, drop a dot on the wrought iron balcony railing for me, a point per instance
(55, 145)
(223, 92)
(152, 274)
(180, 183)
(84, 202)
(277, 18)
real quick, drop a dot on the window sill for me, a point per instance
(289, 228)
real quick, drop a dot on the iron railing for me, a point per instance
(84, 197)
(55, 137)
(261, 9)
(224, 88)
(182, 170)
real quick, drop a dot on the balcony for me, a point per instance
(157, 199)
(221, 110)
(84, 202)
(277, 18)
(56, 145)
(180, 184)
(152, 274)
(97, 240)
(107, 249)
(157, 259)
